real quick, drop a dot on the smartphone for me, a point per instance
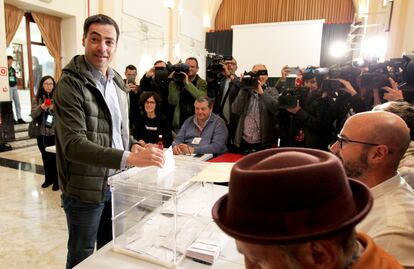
(293, 70)
(130, 80)
(199, 155)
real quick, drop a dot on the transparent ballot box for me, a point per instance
(156, 216)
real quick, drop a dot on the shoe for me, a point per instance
(5, 147)
(21, 121)
(55, 187)
(46, 184)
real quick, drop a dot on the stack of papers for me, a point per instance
(207, 247)
(214, 172)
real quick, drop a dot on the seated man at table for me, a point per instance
(205, 132)
(296, 208)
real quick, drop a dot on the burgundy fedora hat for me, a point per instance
(289, 195)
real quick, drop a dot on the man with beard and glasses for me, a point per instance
(371, 145)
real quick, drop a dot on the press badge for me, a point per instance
(196, 140)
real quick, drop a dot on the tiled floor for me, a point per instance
(33, 231)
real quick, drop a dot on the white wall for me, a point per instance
(408, 41)
(4, 79)
(142, 41)
(145, 37)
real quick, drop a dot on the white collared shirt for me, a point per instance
(108, 90)
(391, 220)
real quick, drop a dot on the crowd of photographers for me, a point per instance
(304, 110)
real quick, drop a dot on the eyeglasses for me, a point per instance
(343, 140)
(150, 102)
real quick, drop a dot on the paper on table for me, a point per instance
(214, 172)
(165, 179)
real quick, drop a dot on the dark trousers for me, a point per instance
(247, 148)
(49, 158)
(87, 223)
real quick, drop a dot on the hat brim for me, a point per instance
(363, 203)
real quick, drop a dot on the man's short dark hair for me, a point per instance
(159, 61)
(100, 19)
(130, 67)
(192, 58)
(203, 99)
(9, 57)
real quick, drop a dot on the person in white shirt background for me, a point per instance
(371, 145)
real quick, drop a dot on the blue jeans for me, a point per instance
(87, 223)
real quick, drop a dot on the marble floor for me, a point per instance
(33, 231)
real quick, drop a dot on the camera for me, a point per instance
(250, 79)
(293, 70)
(331, 85)
(401, 70)
(178, 69)
(288, 97)
(215, 69)
(131, 79)
(161, 74)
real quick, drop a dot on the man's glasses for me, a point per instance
(341, 140)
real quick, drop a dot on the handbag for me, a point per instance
(34, 129)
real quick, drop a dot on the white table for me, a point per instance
(106, 258)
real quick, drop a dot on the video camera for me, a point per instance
(215, 68)
(162, 73)
(250, 79)
(288, 97)
(400, 70)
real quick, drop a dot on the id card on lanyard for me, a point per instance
(196, 141)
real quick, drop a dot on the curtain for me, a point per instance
(220, 42)
(332, 33)
(49, 27)
(236, 12)
(13, 17)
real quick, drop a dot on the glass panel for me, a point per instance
(43, 64)
(35, 33)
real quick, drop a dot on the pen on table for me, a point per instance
(188, 150)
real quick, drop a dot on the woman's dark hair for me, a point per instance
(41, 93)
(145, 96)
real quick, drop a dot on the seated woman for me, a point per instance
(42, 113)
(151, 123)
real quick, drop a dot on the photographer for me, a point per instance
(134, 94)
(151, 81)
(343, 88)
(310, 123)
(183, 91)
(257, 107)
(229, 87)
